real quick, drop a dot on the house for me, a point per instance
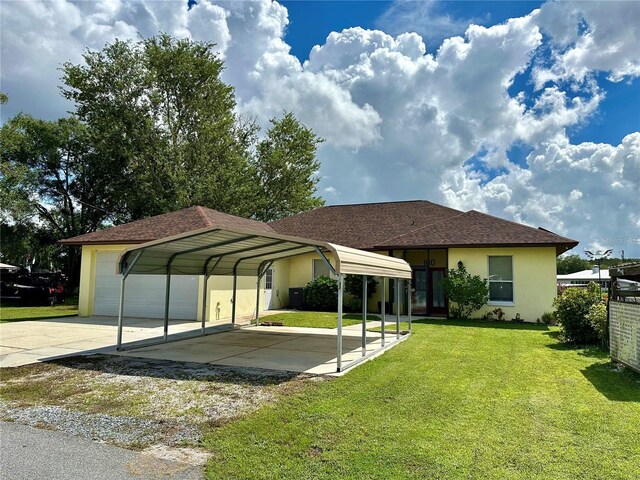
(584, 277)
(519, 261)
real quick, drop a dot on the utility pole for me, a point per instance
(597, 257)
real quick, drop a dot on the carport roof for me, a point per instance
(217, 251)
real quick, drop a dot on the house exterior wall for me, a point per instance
(219, 288)
(534, 277)
(88, 275)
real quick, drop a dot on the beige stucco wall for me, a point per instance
(534, 277)
(219, 287)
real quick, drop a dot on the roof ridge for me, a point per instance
(205, 218)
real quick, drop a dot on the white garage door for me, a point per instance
(144, 294)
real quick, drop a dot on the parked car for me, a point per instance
(32, 288)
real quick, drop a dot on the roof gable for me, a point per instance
(166, 225)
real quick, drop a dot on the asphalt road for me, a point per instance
(30, 453)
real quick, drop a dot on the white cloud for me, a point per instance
(399, 123)
(591, 36)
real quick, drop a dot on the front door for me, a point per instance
(268, 290)
(437, 301)
(427, 292)
(419, 292)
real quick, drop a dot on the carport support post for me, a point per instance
(382, 310)
(233, 295)
(408, 282)
(340, 295)
(397, 285)
(121, 311)
(258, 298)
(166, 303)
(125, 273)
(204, 301)
(364, 315)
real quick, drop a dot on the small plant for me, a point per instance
(499, 314)
(548, 318)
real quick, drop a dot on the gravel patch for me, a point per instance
(123, 431)
(139, 403)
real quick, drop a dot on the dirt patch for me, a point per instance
(138, 403)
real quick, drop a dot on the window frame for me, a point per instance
(313, 269)
(501, 303)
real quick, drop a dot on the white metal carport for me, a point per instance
(214, 251)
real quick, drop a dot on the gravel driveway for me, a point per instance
(151, 405)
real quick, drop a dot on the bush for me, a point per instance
(572, 308)
(468, 293)
(548, 318)
(353, 286)
(597, 317)
(321, 294)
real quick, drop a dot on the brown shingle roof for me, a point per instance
(477, 229)
(363, 225)
(166, 225)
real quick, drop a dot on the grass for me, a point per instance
(456, 400)
(12, 313)
(315, 319)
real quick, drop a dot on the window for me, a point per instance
(268, 280)
(501, 280)
(320, 269)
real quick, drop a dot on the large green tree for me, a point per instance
(286, 170)
(51, 183)
(571, 264)
(160, 115)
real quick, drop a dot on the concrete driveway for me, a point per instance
(310, 350)
(27, 342)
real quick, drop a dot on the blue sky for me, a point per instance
(312, 21)
(529, 111)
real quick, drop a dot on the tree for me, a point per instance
(467, 292)
(353, 286)
(51, 182)
(160, 115)
(571, 264)
(286, 169)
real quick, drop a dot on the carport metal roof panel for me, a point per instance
(216, 251)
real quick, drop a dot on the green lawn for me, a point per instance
(456, 400)
(315, 319)
(12, 313)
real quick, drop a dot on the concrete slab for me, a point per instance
(278, 348)
(311, 350)
(36, 340)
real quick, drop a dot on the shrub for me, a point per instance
(467, 292)
(321, 294)
(548, 318)
(597, 317)
(572, 308)
(353, 286)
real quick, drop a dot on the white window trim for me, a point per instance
(502, 303)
